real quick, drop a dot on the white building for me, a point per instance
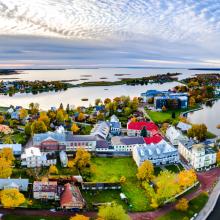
(101, 130)
(175, 136)
(161, 153)
(63, 158)
(199, 156)
(32, 157)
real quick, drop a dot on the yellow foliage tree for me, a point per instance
(187, 178)
(218, 158)
(79, 217)
(74, 128)
(145, 171)
(70, 164)
(1, 119)
(133, 119)
(122, 179)
(7, 153)
(82, 158)
(53, 169)
(11, 198)
(182, 205)
(44, 118)
(164, 109)
(81, 117)
(5, 168)
(23, 113)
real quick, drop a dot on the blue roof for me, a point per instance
(115, 124)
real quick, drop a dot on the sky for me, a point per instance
(109, 33)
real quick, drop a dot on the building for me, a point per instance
(149, 94)
(32, 157)
(161, 153)
(115, 125)
(125, 144)
(63, 158)
(134, 128)
(199, 156)
(19, 184)
(184, 127)
(16, 148)
(71, 198)
(45, 190)
(175, 135)
(5, 129)
(101, 130)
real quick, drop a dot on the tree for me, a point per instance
(7, 153)
(34, 108)
(145, 171)
(98, 101)
(164, 109)
(8, 140)
(38, 127)
(192, 102)
(133, 119)
(187, 178)
(11, 198)
(199, 131)
(218, 158)
(182, 205)
(27, 129)
(81, 117)
(107, 100)
(82, 158)
(53, 169)
(23, 113)
(5, 168)
(173, 115)
(79, 217)
(127, 110)
(1, 119)
(144, 132)
(112, 212)
(75, 128)
(122, 179)
(60, 116)
(44, 118)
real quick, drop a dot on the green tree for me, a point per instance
(27, 129)
(199, 131)
(112, 212)
(38, 127)
(144, 132)
(7, 140)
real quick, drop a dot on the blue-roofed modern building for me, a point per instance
(150, 94)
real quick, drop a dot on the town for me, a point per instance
(81, 159)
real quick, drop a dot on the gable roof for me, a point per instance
(150, 126)
(154, 139)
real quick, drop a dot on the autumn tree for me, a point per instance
(79, 217)
(82, 158)
(7, 153)
(122, 179)
(218, 157)
(107, 100)
(27, 129)
(34, 108)
(44, 118)
(75, 128)
(145, 171)
(53, 169)
(7, 140)
(112, 212)
(182, 205)
(38, 127)
(11, 198)
(192, 102)
(198, 130)
(186, 178)
(81, 117)
(1, 119)
(60, 117)
(5, 168)
(23, 113)
(164, 109)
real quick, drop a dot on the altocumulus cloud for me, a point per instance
(109, 32)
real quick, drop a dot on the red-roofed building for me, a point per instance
(154, 139)
(71, 198)
(134, 128)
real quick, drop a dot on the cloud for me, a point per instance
(172, 32)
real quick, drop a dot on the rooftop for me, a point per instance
(121, 140)
(150, 126)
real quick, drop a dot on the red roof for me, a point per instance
(66, 196)
(154, 139)
(150, 126)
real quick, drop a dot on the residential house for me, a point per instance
(45, 190)
(19, 184)
(63, 158)
(101, 130)
(134, 128)
(115, 125)
(126, 144)
(16, 148)
(32, 157)
(71, 198)
(198, 155)
(5, 129)
(184, 127)
(175, 135)
(160, 153)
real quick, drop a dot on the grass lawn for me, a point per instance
(111, 170)
(174, 168)
(17, 217)
(210, 135)
(195, 205)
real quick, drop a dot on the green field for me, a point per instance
(111, 170)
(195, 205)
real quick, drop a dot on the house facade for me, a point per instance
(19, 184)
(115, 125)
(175, 136)
(199, 156)
(160, 153)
